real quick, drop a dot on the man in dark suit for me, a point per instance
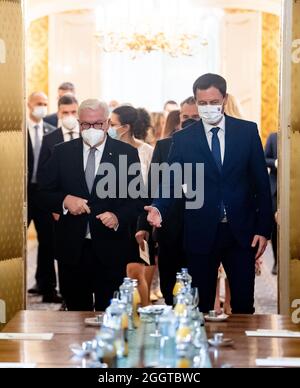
(64, 88)
(45, 272)
(272, 163)
(235, 220)
(69, 130)
(93, 230)
(170, 236)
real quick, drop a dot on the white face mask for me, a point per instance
(93, 136)
(39, 112)
(211, 114)
(69, 122)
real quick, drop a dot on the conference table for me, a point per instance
(70, 327)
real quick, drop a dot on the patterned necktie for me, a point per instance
(36, 151)
(90, 169)
(216, 151)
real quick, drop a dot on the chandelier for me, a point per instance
(145, 26)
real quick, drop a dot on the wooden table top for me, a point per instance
(69, 327)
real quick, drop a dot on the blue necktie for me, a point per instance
(216, 151)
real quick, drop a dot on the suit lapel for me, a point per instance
(79, 165)
(60, 136)
(202, 142)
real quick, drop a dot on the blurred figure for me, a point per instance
(64, 88)
(45, 272)
(233, 107)
(272, 163)
(123, 122)
(169, 107)
(142, 128)
(172, 124)
(188, 112)
(157, 119)
(113, 104)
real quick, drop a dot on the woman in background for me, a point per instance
(172, 124)
(123, 122)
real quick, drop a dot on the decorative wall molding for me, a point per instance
(2, 52)
(2, 311)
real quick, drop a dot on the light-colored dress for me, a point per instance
(145, 152)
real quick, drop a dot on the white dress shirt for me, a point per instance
(66, 133)
(221, 135)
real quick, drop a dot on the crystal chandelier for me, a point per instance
(144, 26)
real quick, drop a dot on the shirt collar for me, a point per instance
(32, 124)
(100, 148)
(208, 127)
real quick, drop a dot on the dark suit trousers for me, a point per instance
(239, 265)
(170, 261)
(43, 222)
(90, 284)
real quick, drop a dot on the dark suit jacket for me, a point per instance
(271, 156)
(243, 185)
(52, 120)
(172, 225)
(49, 142)
(30, 156)
(63, 175)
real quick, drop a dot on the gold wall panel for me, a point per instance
(12, 157)
(270, 74)
(11, 281)
(37, 56)
(295, 167)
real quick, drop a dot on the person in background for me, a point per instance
(157, 120)
(234, 223)
(112, 105)
(45, 275)
(233, 107)
(142, 128)
(64, 88)
(123, 122)
(93, 228)
(170, 237)
(272, 163)
(172, 124)
(169, 106)
(69, 130)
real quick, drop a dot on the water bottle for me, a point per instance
(126, 296)
(186, 278)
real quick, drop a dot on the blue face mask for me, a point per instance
(113, 133)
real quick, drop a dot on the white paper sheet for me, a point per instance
(144, 254)
(273, 333)
(27, 336)
(280, 361)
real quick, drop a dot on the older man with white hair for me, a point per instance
(93, 230)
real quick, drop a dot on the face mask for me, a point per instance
(93, 136)
(69, 122)
(211, 114)
(188, 122)
(39, 112)
(112, 131)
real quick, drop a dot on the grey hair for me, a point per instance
(94, 104)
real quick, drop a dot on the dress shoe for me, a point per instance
(274, 269)
(34, 290)
(52, 298)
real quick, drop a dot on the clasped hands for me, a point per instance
(78, 206)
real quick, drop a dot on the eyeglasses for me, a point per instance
(97, 125)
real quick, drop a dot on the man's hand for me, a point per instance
(76, 206)
(262, 245)
(109, 220)
(153, 217)
(140, 236)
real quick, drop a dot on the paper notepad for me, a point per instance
(273, 333)
(27, 336)
(16, 365)
(280, 361)
(144, 255)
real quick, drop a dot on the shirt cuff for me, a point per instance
(65, 211)
(276, 163)
(116, 227)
